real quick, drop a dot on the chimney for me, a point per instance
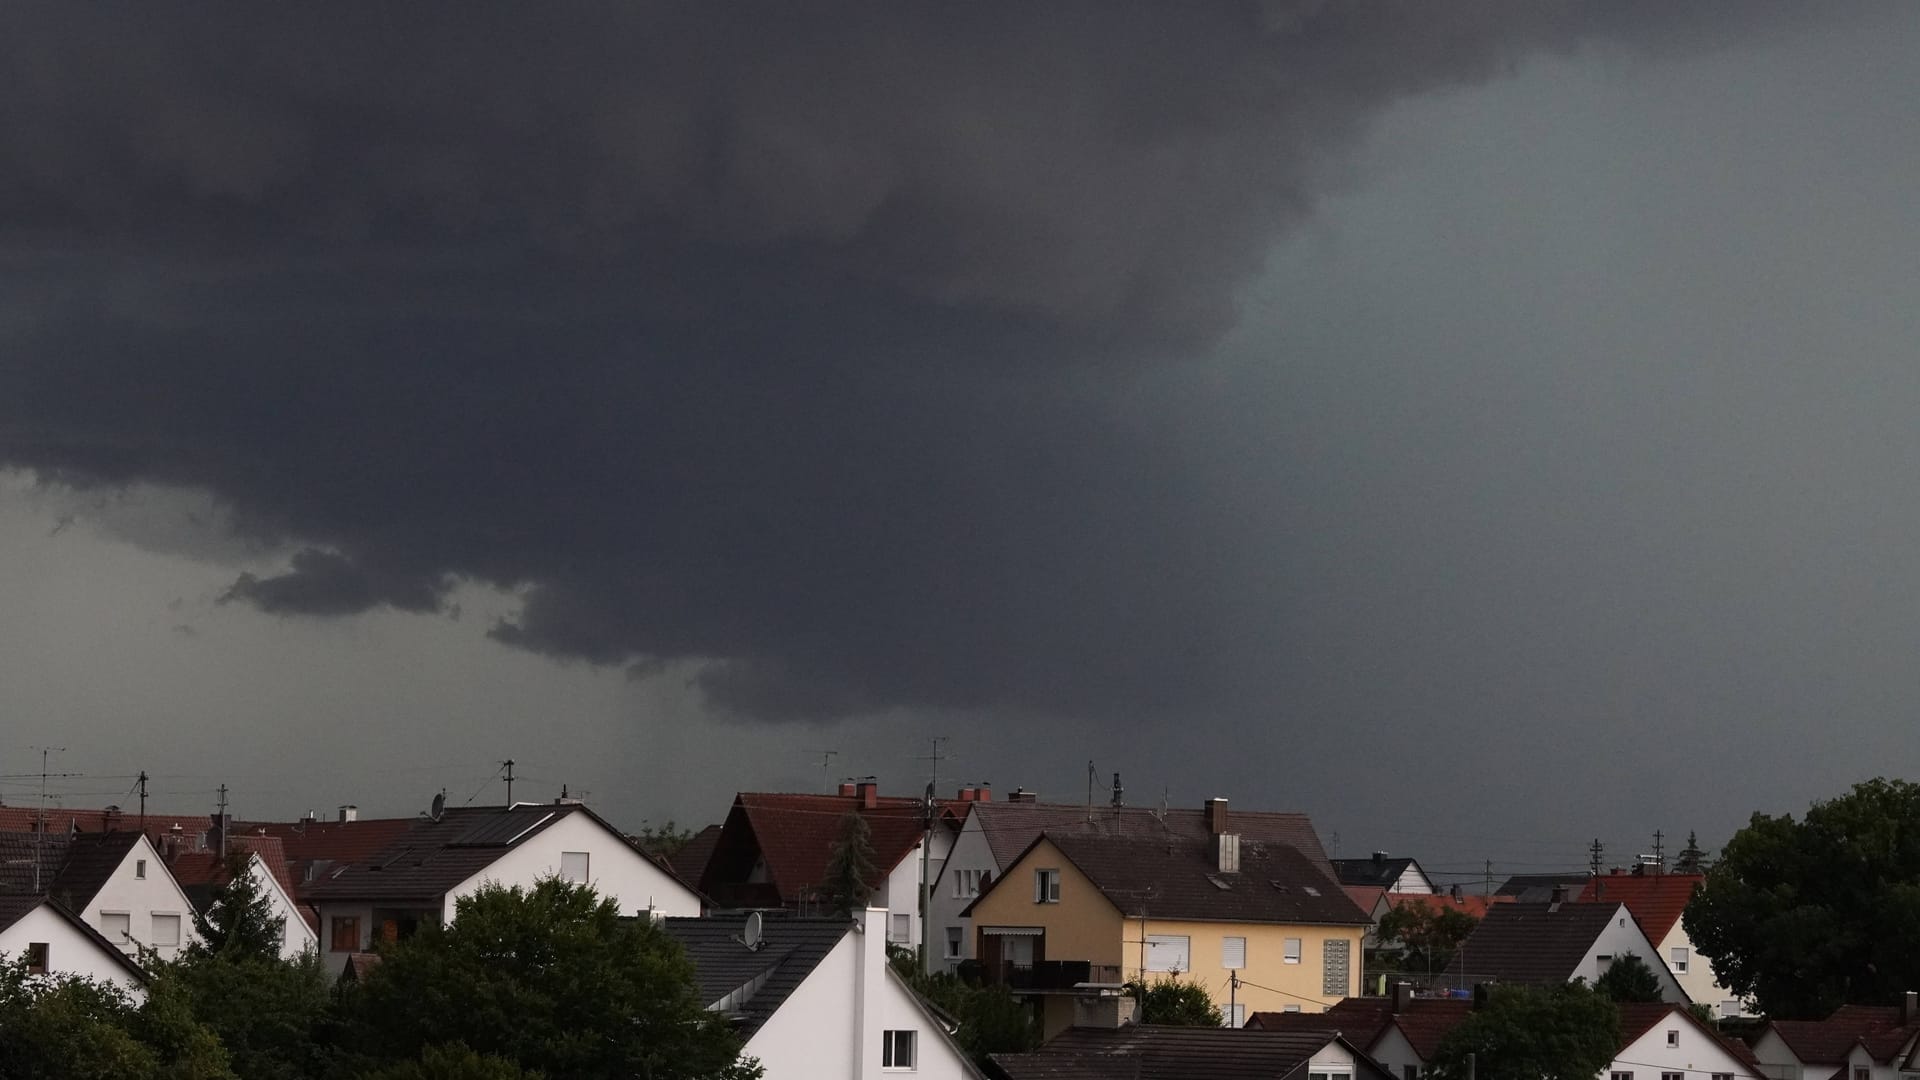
(1909, 1008)
(170, 848)
(983, 793)
(1379, 858)
(869, 791)
(1455, 892)
(1104, 1011)
(1402, 998)
(1022, 795)
(309, 819)
(1216, 809)
(1559, 897)
(349, 812)
(846, 788)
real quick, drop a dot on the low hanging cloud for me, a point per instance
(790, 339)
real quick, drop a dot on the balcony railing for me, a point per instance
(1054, 975)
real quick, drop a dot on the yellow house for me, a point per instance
(1256, 923)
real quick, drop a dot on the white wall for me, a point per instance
(1699, 1055)
(1332, 1057)
(968, 851)
(833, 1023)
(1623, 936)
(614, 869)
(69, 951)
(299, 936)
(140, 899)
(337, 961)
(1782, 1063)
(1413, 880)
(1395, 1053)
(1700, 982)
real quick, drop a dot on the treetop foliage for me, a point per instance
(1568, 1032)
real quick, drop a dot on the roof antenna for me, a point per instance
(507, 767)
(826, 763)
(1090, 778)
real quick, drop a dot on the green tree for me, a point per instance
(849, 867)
(990, 1019)
(1415, 937)
(664, 840)
(453, 1062)
(240, 921)
(1804, 916)
(1172, 1001)
(68, 1028)
(1629, 978)
(267, 1013)
(549, 978)
(1691, 860)
(1566, 1032)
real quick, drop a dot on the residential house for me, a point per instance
(202, 874)
(1555, 942)
(773, 851)
(1659, 1041)
(993, 834)
(1540, 888)
(414, 876)
(1380, 903)
(55, 941)
(116, 882)
(1657, 901)
(1383, 872)
(1155, 1052)
(1856, 1042)
(1254, 922)
(813, 997)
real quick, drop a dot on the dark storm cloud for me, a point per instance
(810, 344)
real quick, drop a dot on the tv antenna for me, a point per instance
(507, 768)
(826, 764)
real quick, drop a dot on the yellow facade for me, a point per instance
(1084, 925)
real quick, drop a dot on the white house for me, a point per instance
(418, 875)
(202, 873)
(815, 997)
(54, 941)
(1657, 901)
(115, 881)
(1555, 942)
(1382, 871)
(1860, 1042)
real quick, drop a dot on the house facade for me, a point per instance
(1856, 1042)
(1256, 924)
(202, 874)
(56, 942)
(1382, 871)
(1153, 1052)
(1658, 900)
(1558, 941)
(116, 882)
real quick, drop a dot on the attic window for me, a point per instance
(1310, 890)
(1219, 884)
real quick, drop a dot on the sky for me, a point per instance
(1486, 427)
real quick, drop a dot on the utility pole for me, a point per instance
(142, 782)
(1090, 778)
(1233, 994)
(507, 766)
(223, 824)
(1488, 890)
(927, 809)
(1659, 852)
(1596, 860)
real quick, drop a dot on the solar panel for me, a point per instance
(502, 829)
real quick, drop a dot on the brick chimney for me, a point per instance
(965, 794)
(1402, 998)
(348, 813)
(846, 788)
(1216, 809)
(1022, 795)
(1560, 896)
(869, 791)
(983, 793)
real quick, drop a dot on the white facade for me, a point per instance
(296, 936)
(142, 906)
(1781, 1063)
(839, 1021)
(1676, 1045)
(1698, 980)
(1622, 936)
(1395, 1054)
(614, 869)
(900, 895)
(969, 860)
(70, 950)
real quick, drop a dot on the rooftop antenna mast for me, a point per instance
(507, 767)
(41, 830)
(223, 823)
(1091, 776)
(1659, 852)
(142, 783)
(826, 765)
(1595, 857)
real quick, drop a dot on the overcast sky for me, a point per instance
(1484, 426)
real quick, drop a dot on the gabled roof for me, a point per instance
(1010, 828)
(91, 860)
(1364, 1020)
(1656, 900)
(793, 835)
(752, 983)
(1879, 1029)
(21, 853)
(1538, 888)
(60, 821)
(427, 860)
(15, 908)
(1175, 879)
(1154, 1052)
(1537, 944)
(314, 847)
(1381, 871)
(1638, 1018)
(200, 873)
(690, 862)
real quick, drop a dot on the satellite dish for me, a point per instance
(750, 933)
(439, 806)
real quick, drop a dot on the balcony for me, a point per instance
(1049, 976)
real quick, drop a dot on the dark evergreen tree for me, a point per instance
(1629, 978)
(849, 867)
(1691, 859)
(240, 922)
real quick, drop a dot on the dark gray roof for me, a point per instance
(1382, 872)
(1537, 944)
(1538, 888)
(432, 857)
(1175, 879)
(20, 851)
(1152, 1052)
(91, 860)
(761, 979)
(1011, 827)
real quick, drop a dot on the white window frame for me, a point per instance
(1290, 950)
(900, 928)
(966, 883)
(1330, 1074)
(892, 1042)
(1233, 954)
(1158, 946)
(140, 869)
(584, 873)
(956, 940)
(1673, 1037)
(1678, 957)
(1673, 1076)
(126, 935)
(1289, 1008)
(1046, 885)
(178, 930)
(1620, 1074)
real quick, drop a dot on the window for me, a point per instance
(1722, 1076)
(1621, 1076)
(1046, 886)
(283, 930)
(1409, 1072)
(953, 943)
(1330, 1076)
(37, 958)
(140, 868)
(966, 883)
(901, 930)
(166, 931)
(1168, 952)
(1673, 1039)
(1862, 1074)
(896, 1051)
(1673, 1076)
(573, 867)
(1233, 954)
(1677, 959)
(117, 926)
(1236, 1015)
(1290, 952)
(1289, 1008)
(346, 933)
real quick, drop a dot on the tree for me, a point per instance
(1171, 1001)
(1568, 1032)
(991, 1020)
(549, 978)
(240, 921)
(70, 1028)
(1691, 859)
(849, 867)
(453, 1062)
(267, 1012)
(665, 840)
(1416, 937)
(1629, 978)
(1804, 916)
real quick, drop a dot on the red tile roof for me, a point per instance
(67, 820)
(327, 843)
(1475, 906)
(1876, 1027)
(794, 836)
(1656, 900)
(1010, 827)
